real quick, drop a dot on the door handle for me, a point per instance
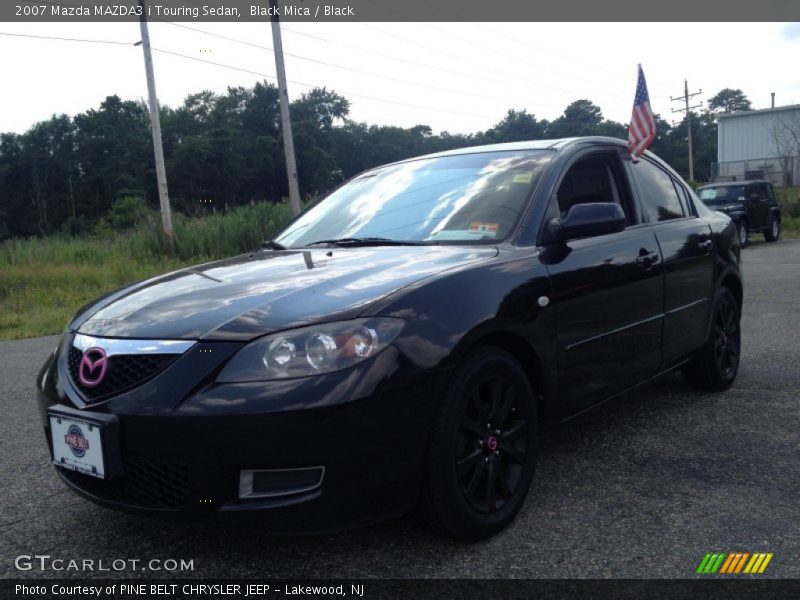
(705, 246)
(647, 259)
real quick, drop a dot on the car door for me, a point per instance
(607, 290)
(686, 246)
(759, 203)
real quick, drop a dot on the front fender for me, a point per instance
(448, 314)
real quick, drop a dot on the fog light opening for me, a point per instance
(274, 483)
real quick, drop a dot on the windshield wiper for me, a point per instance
(367, 241)
(273, 245)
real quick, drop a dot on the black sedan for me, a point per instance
(399, 343)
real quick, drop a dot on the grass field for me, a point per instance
(44, 281)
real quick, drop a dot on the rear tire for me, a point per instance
(482, 449)
(716, 364)
(773, 231)
(741, 228)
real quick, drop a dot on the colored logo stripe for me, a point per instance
(710, 563)
(758, 563)
(734, 563)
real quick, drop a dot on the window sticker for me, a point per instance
(488, 229)
(523, 177)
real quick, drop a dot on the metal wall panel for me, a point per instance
(749, 136)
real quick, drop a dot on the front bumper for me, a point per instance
(182, 455)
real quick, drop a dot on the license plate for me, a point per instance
(77, 445)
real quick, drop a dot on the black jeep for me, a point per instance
(750, 204)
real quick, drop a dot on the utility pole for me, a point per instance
(686, 96)
(155, 123)
(286, 122)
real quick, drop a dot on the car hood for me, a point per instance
(726, 205)
(252, 295)
(729, 207)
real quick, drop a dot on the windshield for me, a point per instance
(722, 194)
(470, 197)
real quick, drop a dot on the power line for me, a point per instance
(448, 70)
(492, 68)
(66, 39)
(248, 71)
(216, 64)
(341, 67)
(310, 85)
(504, 54)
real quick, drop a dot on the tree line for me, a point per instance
(223, 150)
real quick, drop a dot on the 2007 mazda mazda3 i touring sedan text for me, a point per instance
(399, 343)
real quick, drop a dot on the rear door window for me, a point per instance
(660, 199)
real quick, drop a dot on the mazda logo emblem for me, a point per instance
(93, 367)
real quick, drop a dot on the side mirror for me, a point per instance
(587, 220)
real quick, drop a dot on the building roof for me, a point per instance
(748, 113)
(732, 183)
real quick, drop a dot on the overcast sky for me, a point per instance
(459, 77)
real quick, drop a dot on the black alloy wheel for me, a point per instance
(482, 450)
(491, 446)
(716, 364)
(727, 337)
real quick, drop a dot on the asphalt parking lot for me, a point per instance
(642, 489)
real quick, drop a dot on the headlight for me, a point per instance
(311, 350)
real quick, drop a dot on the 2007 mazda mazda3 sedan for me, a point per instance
(398, 344)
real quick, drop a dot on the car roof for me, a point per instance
(732, 183)
(553, 144)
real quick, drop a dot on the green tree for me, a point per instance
(581, 117)
(114, 154)
(729, 100)
(516, 126)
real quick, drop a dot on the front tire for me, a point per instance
(482, 450)
(715, 366)
(773, 232)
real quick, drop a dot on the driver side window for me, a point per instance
(595, 178)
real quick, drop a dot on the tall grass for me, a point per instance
(789, 201)
(44, 281)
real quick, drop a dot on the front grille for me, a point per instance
(146, 483)
(124, 372)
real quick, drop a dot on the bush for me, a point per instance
(125, 213)
(75, 227)
(789, 201)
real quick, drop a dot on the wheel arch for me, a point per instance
(734, 284)
(518, 347)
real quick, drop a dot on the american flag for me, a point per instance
(642, 130)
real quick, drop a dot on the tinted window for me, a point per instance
(466, 197)
(592, 179)
(684, 194)
(759, 191)
(660, 199)
(722, 194)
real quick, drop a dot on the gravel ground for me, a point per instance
(641, 489)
